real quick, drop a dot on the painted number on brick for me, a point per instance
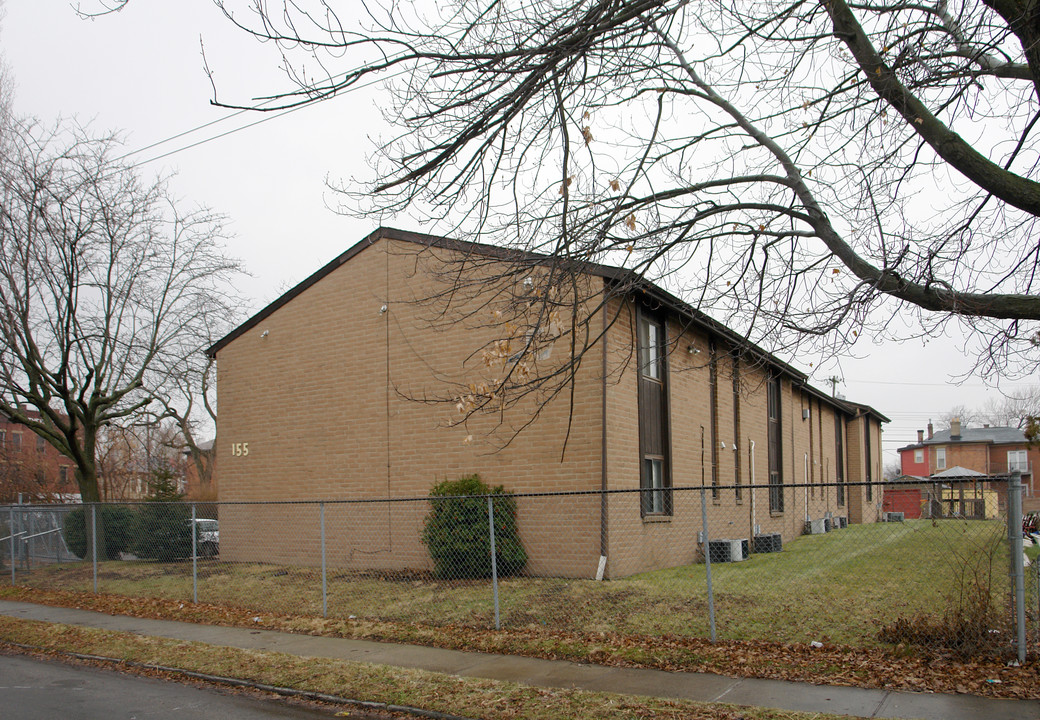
(239, 449)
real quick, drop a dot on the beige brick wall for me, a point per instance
(338, 400)
(329, 402)
(862, 509)
(639, 544)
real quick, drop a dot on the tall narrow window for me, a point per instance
(651, 348)
(654, 478)
(653, 471)
(776, 475)
(16, 440)
(940, 458)
(839, 460)
(870, 462)
(40, 444)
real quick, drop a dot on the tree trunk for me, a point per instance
(90, 495)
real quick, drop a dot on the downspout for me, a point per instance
(751, 484)
(602, 568)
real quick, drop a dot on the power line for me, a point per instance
(236, 113)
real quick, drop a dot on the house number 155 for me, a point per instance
(240, 449)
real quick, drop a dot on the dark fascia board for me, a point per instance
(633, 282)
(866, 410)
(378, 234)
(298, 289)
(627, 280)
(845, 406)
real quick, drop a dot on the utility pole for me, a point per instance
(834, 380)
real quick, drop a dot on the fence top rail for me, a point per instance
(801, 486)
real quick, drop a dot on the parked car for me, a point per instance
(207, 537)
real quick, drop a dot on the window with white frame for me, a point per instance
(918, 456)
(651, 348)
(940, 458)
(654, 500)
(1018, 460)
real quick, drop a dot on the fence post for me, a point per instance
(707, 562)
(324, 575)
(1017, 569)
(494, 560)
(10, 509)
(27, 548)
(93, 541)
(194, 557)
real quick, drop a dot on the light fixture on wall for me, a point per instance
(264, 334)
(383, 309)
(693, 350)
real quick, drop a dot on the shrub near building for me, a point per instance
(113, 522)
(163, 522)
(456, 530)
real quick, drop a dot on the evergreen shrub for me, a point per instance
(456, 530)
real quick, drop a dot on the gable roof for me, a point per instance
(958, 472)
(992, 435)
(628, 279)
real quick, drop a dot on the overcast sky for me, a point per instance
(141, 71)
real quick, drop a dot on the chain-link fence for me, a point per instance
(800, 563)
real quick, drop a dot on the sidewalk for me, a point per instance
(562, 674)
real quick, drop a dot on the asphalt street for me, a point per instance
(32, 689)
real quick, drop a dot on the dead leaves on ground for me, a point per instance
(897, 669)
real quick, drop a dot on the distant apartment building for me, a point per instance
(31, 468)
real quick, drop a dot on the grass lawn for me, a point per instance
(490, 699)
(841, 587)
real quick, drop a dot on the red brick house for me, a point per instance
(987, 450)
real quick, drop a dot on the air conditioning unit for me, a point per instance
(768, 543)
(842, 522)
(828, 524)
(815, 527)
(893, 517)
(724, 551)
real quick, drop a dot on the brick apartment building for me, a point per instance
(32, 468)
(321, 398)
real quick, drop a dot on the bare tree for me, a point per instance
(786, 166)
(103, 280)
(129, 455)
(189, 400)
(968, 416)
(1013, 409)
